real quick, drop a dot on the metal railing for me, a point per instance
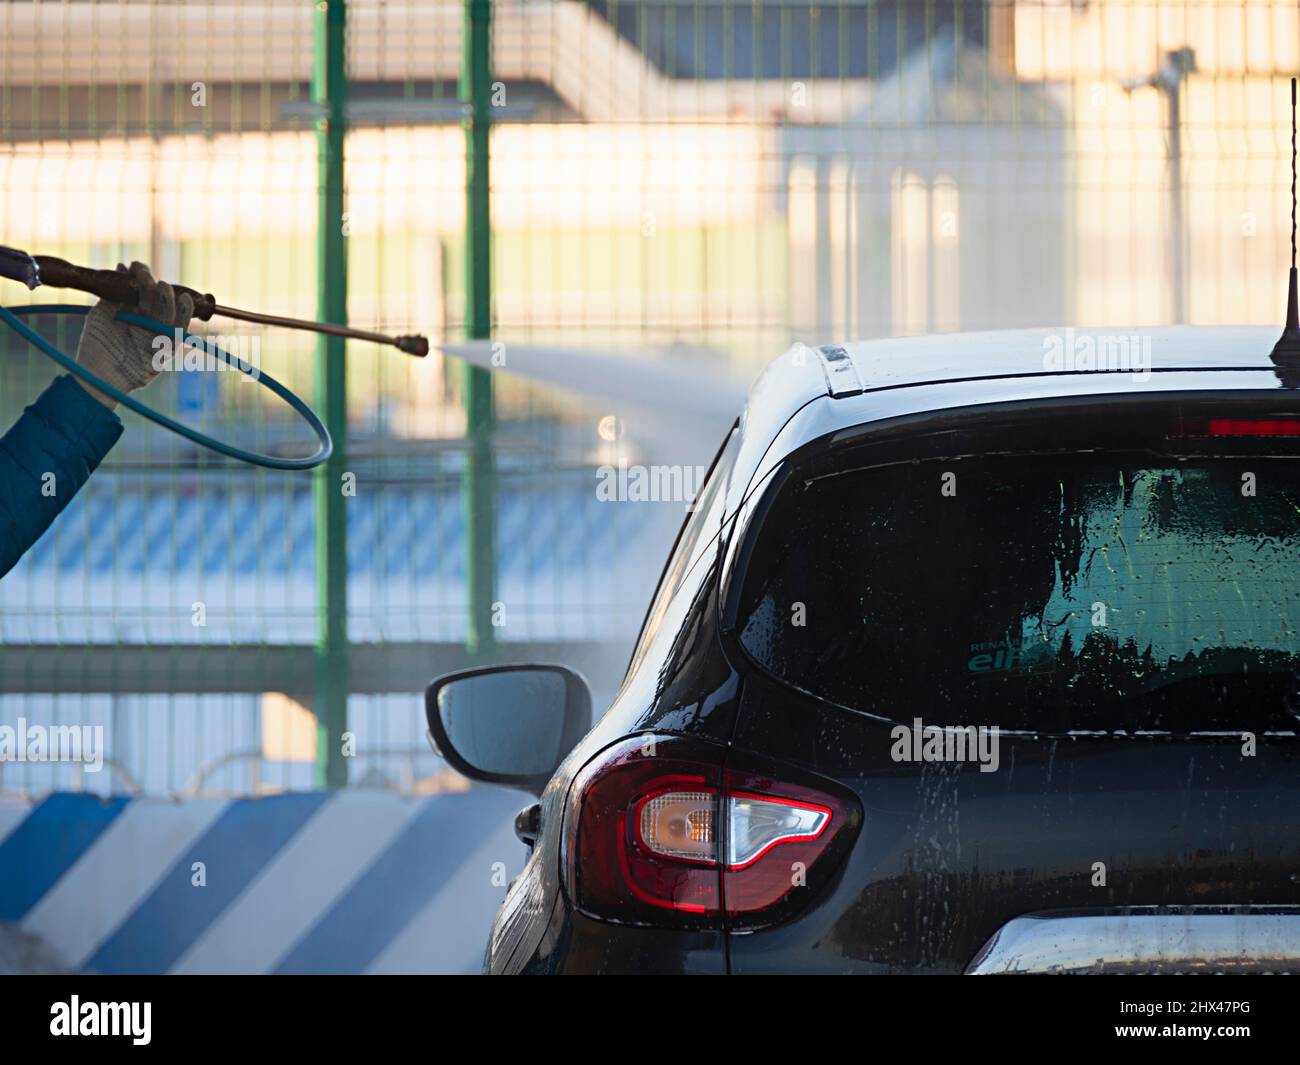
(707, 174)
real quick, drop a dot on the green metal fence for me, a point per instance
(709, 176)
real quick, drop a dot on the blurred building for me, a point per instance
(718, 174)
(940, 204)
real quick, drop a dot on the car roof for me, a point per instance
(808, 393)
(904, 361)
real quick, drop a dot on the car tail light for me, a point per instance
(757, 823)
(1254, 427)
(658, 832)
(1204, 428)
(679, 824)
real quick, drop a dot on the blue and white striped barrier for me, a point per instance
(319, 882)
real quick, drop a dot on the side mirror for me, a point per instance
(508, 725)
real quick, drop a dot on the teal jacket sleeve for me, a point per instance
(45, 458)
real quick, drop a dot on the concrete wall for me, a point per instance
(320, 882)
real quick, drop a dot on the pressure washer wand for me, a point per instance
(36, 270)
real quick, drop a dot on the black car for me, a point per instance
(977, 654)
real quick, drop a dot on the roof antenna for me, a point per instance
(1287, 350)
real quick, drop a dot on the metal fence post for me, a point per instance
(480, 472)
(329, 94)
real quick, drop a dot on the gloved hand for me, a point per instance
(123, 354)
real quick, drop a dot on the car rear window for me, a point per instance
(1068, 591)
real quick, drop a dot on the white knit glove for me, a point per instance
(120, 353)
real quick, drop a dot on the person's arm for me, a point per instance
(45, 458)
(51, 451)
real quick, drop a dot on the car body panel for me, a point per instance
(683, 685)
(1204, 829)
(1252, 940)
(903, 361)
(791, 404)
(947, 854)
